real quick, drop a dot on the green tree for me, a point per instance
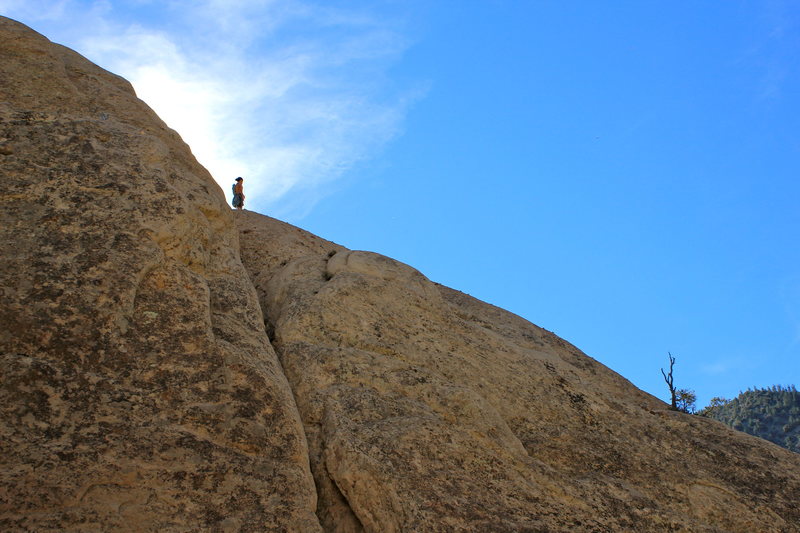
(716, 403)
(772, 413)
(685, 400)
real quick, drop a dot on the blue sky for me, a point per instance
(622, 173)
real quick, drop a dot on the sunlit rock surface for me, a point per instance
(428, 410)
(141, 391)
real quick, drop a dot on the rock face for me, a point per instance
(427, 410)
(141, 391)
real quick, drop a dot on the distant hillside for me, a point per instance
(772, 414)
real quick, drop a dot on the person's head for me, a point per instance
(239, 179)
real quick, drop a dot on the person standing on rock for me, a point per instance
(238, 194)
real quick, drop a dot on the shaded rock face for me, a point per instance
(140, 389)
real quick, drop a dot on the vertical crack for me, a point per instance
(333, 510)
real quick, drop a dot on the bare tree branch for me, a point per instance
(670, 382)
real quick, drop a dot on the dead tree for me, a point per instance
(670, 382)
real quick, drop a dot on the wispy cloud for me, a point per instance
(287, 93)
(717, 368)
(772, 51)
(40, 10)
(723, 366)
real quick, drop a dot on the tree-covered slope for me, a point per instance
(772, 414)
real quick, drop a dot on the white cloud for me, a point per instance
(286, 93)
(33, 9)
